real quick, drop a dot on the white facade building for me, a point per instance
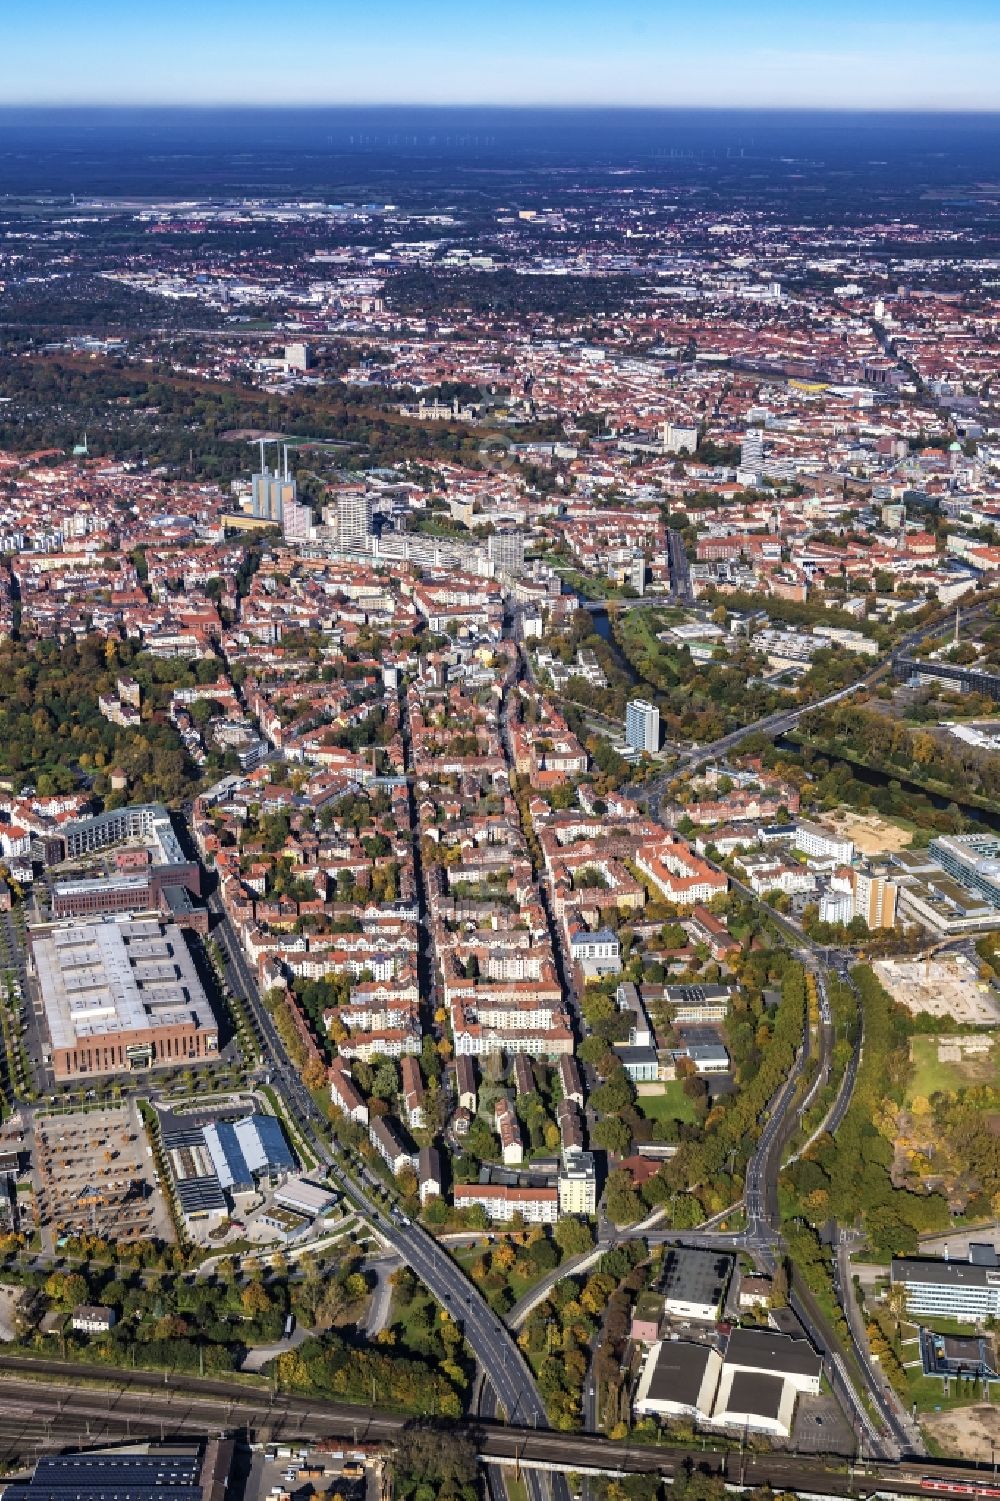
(642, 726)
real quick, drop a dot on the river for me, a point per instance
(602, 628)
(602, 625)
(874, 778)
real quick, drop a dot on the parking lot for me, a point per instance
(297, 1470)
(93, 1175)
(820, 1427)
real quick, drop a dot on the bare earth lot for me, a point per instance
(93, 1174)
(972, 1432)
(10, 1297)
(871, 833)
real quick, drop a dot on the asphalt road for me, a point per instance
(839, 1109)
(486, 1334)
(779, 723)
(381, 1304)
(890, 1435)
(904, 1430)
(680, 572)
(496, 1351)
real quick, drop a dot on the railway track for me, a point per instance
(42, 1409)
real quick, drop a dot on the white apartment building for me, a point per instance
(823, 843)
(354, 519)
(680, 436)
(538, 1206)
(875, 898)
(642, 726)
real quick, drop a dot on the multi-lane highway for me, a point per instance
(680, 572)
(762, 1237)
(889, 1434)
(497, 1353)
(507, 1372)
(495, 1349)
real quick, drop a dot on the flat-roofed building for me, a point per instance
(177, 1472)
(967, 1290)
(973, 859)
(642, 726)
(823, 843)
(120, 996)
(754, 1401)
(143, 826)
(597, 953)
(679, 1380)
(753, 1387)
(641, 1064)
(577, 1183)
(303, 1196)
(707, 1057)
(875, 898)
(218, 1164)
(149, 871)
(630, 1001)
(695, 1283)
(697, 1003)
(246, 1150)
(762, 1350)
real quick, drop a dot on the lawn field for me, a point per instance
(514, 1286)
(930, 1076)
(672, 1105)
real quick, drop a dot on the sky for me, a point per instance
(881, 54)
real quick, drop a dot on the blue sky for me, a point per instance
(893, 54)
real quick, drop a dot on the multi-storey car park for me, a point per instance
(119, 996)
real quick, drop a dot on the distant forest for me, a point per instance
(437, 293)
(81, 303)
(164, 417)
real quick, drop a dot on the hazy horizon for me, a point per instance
(398, 153)
(319, 107)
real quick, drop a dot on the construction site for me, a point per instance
(947, 985)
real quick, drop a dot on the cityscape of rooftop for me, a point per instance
(499, 751)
